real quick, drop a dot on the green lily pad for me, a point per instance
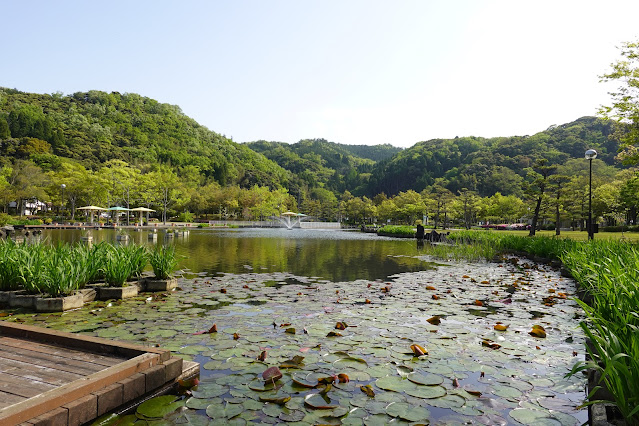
(407, 412)
(224, 411)
(209, 390)
(533, 417)
(291, 415)
(321, 402)
(427, 392)
(197, 403)
(159, 407)
(427, 379)
(394, 383)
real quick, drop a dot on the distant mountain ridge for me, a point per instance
(94, 127)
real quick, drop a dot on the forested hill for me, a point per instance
(317, 162)
(489, 165)
(94, 127)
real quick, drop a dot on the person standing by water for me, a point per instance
(420, 234)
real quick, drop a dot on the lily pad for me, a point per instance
(427, 379)
(159, 407)
(320, 402)
(533, 417)
(394, 383)
(427, 392)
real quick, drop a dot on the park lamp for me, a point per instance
(591, 154)
(62, 187)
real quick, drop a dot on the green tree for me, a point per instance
(536, 185)
(625, 101)
(4, 128)
(78, 185)
(557, 183)
(467, 205)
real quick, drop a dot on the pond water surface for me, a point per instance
(328, 254)
(285, 293)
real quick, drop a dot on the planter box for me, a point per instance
(105, 293)
(88, 294)
(155, 284)
(22, 300)
(59, 304)
(6, 295)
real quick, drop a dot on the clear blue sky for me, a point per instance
(349, 71)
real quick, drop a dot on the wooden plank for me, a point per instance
(37, 372)
(22, 387)
(7, 399)
(61, 351)
(51, 361)
(80, 342)
(54, 398)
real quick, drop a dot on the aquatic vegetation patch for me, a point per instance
(362, 352)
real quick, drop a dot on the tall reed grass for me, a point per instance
(163, 261)
(60, 270)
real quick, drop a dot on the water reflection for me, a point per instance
(330, 255)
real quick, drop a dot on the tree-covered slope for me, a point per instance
(317, 162)
(94, 127)
(489, 165)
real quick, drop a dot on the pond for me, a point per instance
(325, 305)
(326, 254)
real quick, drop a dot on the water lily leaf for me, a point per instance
(490, 344)
(320, 402)
(224, 411)
(290, 330)
(159, 407)
(377, 420)
(292, 415)
(427, 379)
(501, 327)
(341, 325)
(404, 371)
(198, 403)
(272, 374)
(184, 418)
(301, 380)
(278, 398)
(538, 331)
(532, 417)
(295, 362)
(258, 385)
(427, 392)
(393, 383)
(418, 350)
(435, 320)
(407, 412)
(506, 391)
(368, 390)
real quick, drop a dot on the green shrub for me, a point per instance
(401, 231)
(4, 219)
(186, 216)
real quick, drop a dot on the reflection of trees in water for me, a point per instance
(332, 259)
(335, 260)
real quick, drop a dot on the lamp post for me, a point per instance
(591, 154)
(63, 187)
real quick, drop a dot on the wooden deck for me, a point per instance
(51, 377)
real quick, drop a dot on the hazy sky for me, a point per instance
(349, 71)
